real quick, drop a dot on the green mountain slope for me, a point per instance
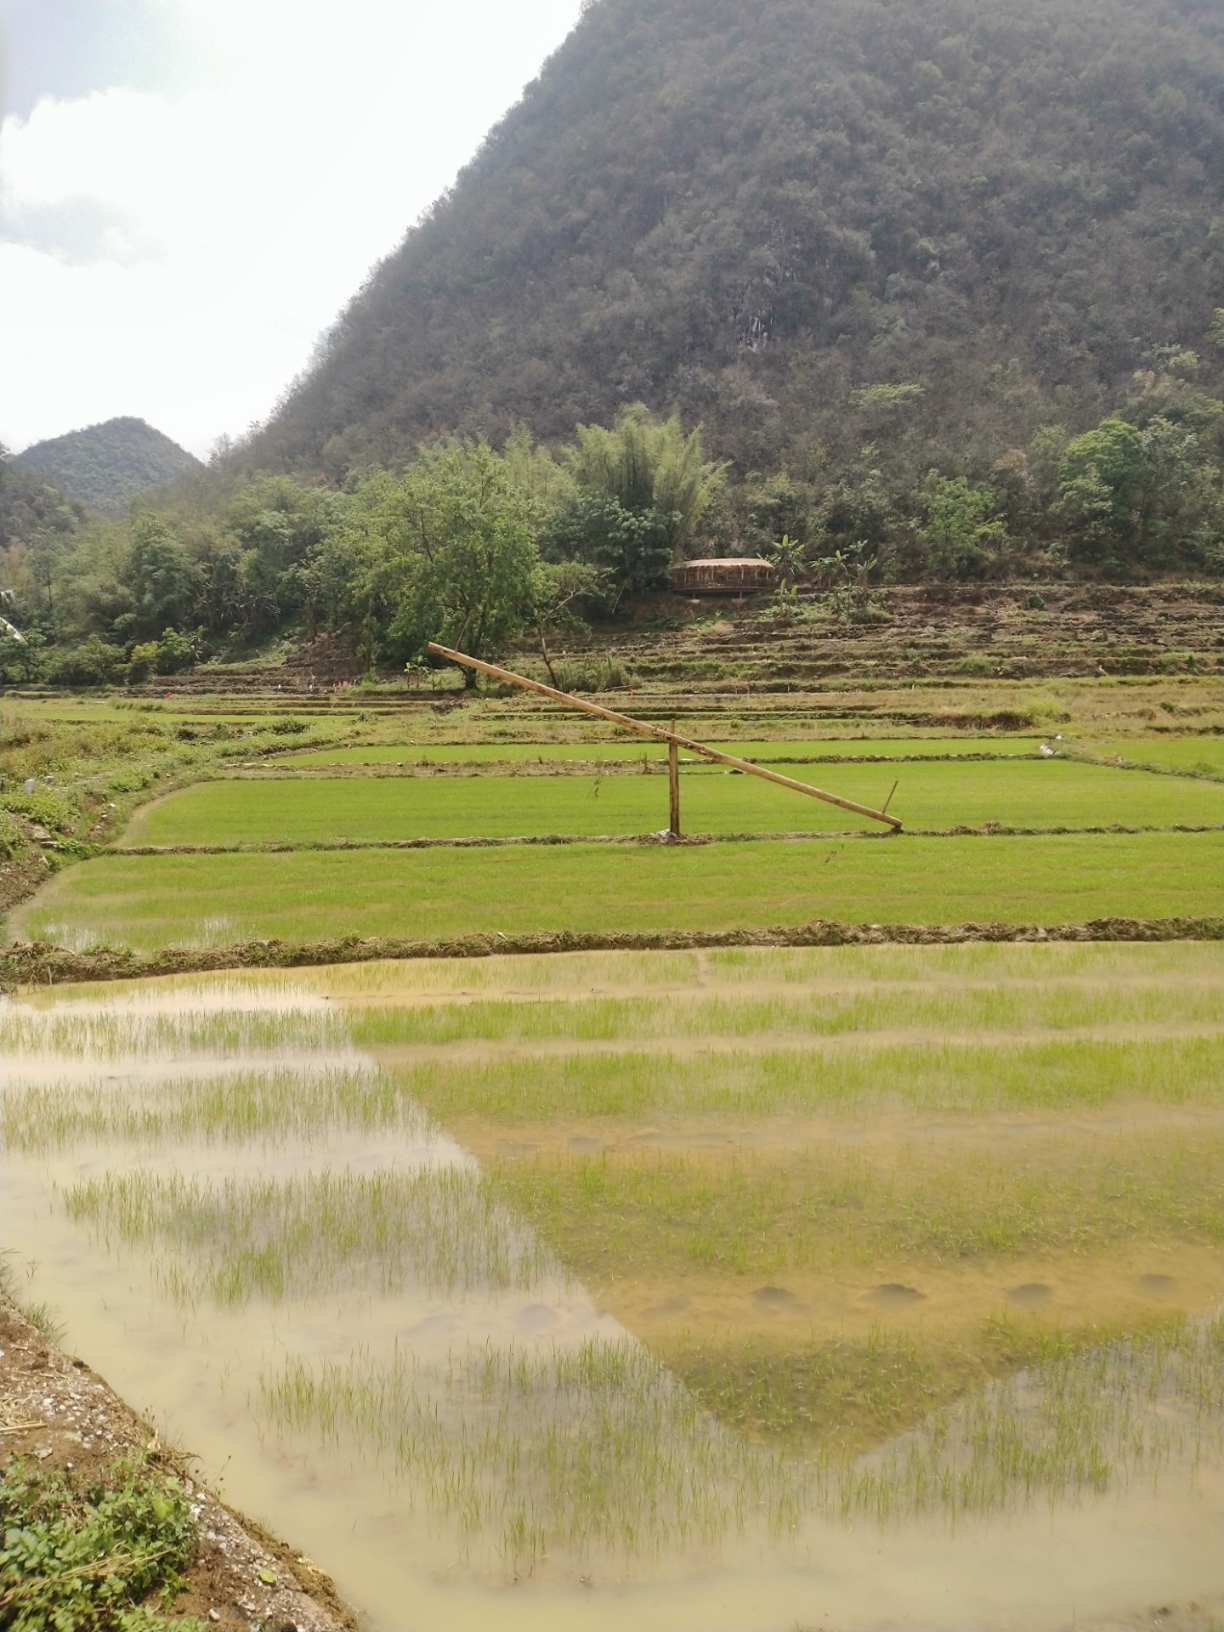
(758, 210)
(104, 465)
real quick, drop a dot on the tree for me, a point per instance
(631, 548)
(164, 582)
(8, 602)
(789, 559)
(93, 663)
(960, 525)
(463, 553)
(275, 523)
(646, 467)
(558, 590)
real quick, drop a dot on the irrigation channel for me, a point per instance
(252, 1228)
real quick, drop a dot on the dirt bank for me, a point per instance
(39, 963)
(60, 1412)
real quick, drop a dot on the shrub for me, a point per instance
(93, 663)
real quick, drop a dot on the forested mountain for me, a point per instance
(928, 227)
(104, 465)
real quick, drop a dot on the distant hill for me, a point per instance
(930, 227)
(104, 465)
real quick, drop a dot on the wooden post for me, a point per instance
(661, 734)
(673, 782)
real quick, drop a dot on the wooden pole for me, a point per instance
(673, 783)
(660, 734)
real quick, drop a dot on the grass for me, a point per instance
(149, 902)
(87, 1553)
(1017, 793)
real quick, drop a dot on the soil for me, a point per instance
(59, 1411)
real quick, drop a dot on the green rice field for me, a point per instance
(1026, 794)
(153, 901)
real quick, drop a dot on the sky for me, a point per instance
(192, 190)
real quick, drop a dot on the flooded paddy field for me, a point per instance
(856, 1287)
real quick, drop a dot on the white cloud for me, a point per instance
(176, 258)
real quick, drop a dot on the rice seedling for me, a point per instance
(564, 974)
(272, 1105)
(628, 751)
(600, 1450)
(272, 1239)
(962, 1010)
(226, 1026)
(590, 1450)
(151, 902)
(745, 1083)
(824, 1207)
(1073, 1423)
(933, 794)
(844, 1394)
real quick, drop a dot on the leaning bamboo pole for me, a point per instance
(660, 734)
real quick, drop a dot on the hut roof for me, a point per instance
(727, 561)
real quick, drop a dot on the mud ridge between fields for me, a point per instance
(44, 964)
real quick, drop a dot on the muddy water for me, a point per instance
(202, 1370)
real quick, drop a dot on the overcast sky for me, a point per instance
(191, 190)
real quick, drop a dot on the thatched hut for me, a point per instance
(723, 575)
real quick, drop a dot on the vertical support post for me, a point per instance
(673, 783)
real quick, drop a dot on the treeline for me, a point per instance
(479, 547)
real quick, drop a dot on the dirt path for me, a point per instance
(59, 1411)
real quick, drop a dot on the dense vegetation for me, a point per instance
(104, 465)
(482, 549)
(935, 281)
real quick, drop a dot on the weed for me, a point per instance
(85, 1554)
